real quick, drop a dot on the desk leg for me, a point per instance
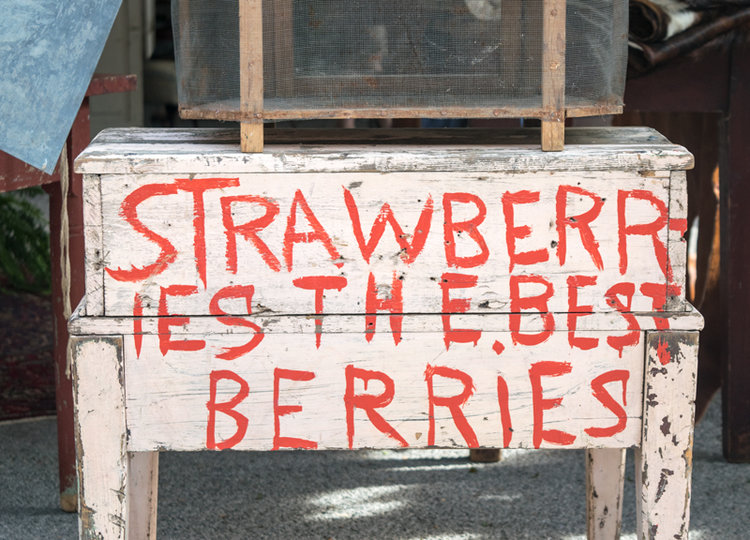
(102, 459)
(143, 468)
(605, 475)
(664, 460)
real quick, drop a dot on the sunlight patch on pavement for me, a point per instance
(356, 503)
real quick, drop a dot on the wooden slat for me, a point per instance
(529, 323)
(553, 75)
(304, 109)
(214, 151)
(251, 75)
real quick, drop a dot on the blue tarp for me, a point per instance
(48, 52)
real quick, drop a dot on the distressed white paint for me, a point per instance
(94, 248)
(166, 400)
(678, 215)
(664, 461)
(586, 149)
(605, 475)
(607, 323)
(100, 437)
(171, 216)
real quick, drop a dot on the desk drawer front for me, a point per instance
(409, 242)
(339, 390)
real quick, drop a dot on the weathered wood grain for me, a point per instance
(167, 399)
(664, 460)
(251, 74)
(608, 323)
(678, 226)
(344, 206)
(553, 75)
(94, 247)
(142, 151)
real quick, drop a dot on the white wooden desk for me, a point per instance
(466, 291)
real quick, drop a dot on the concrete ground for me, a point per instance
(408, 494)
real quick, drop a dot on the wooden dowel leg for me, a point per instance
(143, 489)
(553, 135)
(605, 474)
(251, 136)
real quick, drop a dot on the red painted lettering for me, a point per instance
(644, 229)
(538, 302)
(137, 324)
(129, 212)
(540, 404)
(240, 292)
(454, 403)
(283, 410)
(226, 407)
(612, 295)
(582, 222)
(502, 400)
(369, 402)
(575, 311)
(658, 293)
(249, 230)
(318, 234)
(319, 284)
(198, 186)
(394, 304)
(450, 228)
(166, 320)
(513, 233)
(450, 281)
(409, 250)
(606, 399)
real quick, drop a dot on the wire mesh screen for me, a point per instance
(354, 58)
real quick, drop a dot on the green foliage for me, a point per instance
(24, 244)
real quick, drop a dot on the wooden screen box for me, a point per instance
(385, 290)
(256, 61)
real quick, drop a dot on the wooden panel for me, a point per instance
(94, 248)
(418, 393)
(678, 225)
(444, 236)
